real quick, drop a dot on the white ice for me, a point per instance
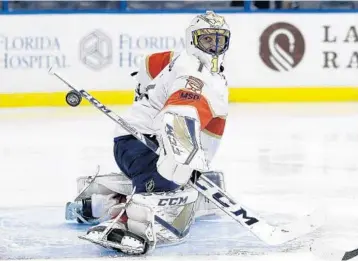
(281, 160)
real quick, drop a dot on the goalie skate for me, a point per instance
(81, 208)
(80, 211)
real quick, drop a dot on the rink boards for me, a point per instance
(272, 57)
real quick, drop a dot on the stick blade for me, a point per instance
(288, 232)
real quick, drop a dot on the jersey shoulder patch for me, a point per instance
(156, 62)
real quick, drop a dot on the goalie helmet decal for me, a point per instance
(213, 20)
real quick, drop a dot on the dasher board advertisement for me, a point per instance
(271, 56)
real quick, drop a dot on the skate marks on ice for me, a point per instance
(38, 233)
(331, 252)
(41, 232)
(340, 241)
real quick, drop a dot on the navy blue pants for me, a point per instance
(138, 163)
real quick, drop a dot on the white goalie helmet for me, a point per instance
(207, 38)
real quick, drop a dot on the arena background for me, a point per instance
(280, 51)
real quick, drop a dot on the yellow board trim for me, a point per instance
(58, 98)
(125, 97)
(307, 94)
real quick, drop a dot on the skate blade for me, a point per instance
(99, 241)
(112, 245)
(69, 213)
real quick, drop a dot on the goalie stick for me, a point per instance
(270, 234)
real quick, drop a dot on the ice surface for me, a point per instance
(282, 160)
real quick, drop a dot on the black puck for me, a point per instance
(73, 98)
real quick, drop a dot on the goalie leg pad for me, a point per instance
(131, 232)
(150, 219)
(174, 213)
(119, 239)
(105, 184)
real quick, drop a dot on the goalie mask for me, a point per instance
(207, 38)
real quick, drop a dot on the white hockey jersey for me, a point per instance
(181, 84)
